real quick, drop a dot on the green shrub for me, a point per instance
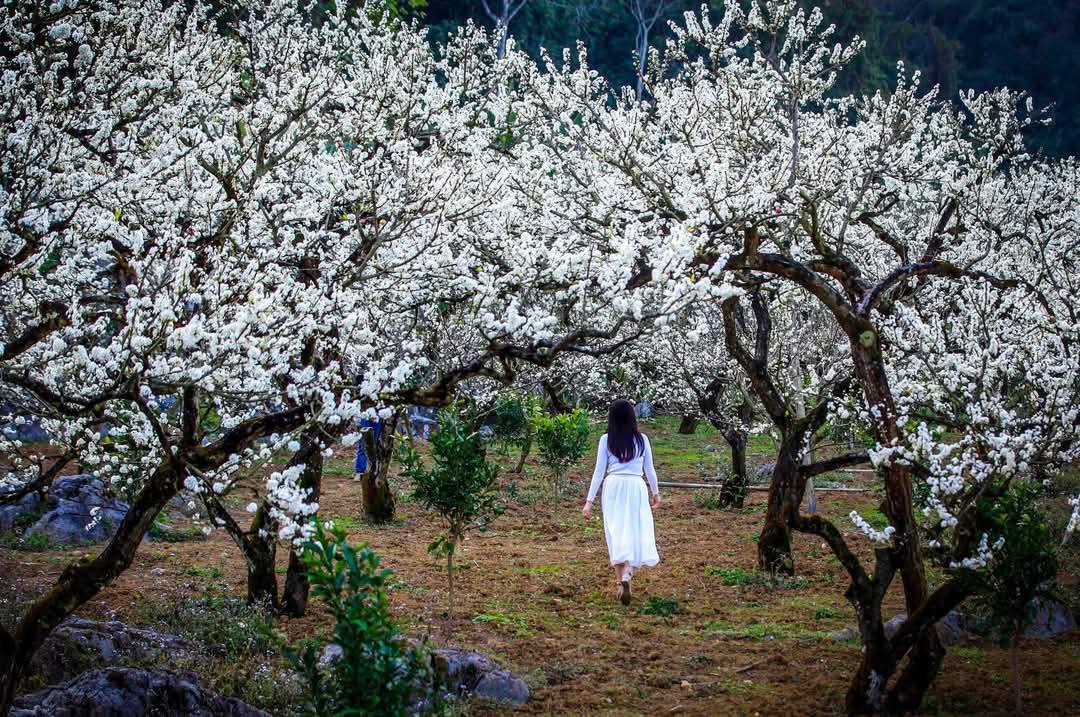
(460, 486)
(509, 423)
(368, 668)
(36, 543)
(562, 440)
(1023, 567)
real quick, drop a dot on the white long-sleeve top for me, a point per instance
(607, 464)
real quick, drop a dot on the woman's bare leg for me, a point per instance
(622, 576)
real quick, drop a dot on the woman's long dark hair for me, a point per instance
(624, 440)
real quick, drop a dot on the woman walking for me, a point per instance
(621, 458)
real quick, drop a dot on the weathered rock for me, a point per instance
(130, 692)
(953, 629)
(1051, 618)
(462, 672)
(848, 633)
(69, 510)
(502, 686)
(709, 448)
(11, 512)
(78, 645)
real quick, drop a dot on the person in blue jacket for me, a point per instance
(361, 455)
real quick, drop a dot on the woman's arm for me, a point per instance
(650, 472)
(600, 470)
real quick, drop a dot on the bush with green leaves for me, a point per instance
(1023, 568)
(367, 668)
(563, 440)
(460, 486)
(509, 422)
(514, 423)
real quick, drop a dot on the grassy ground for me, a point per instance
(534, 591)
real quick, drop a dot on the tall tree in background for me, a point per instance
(502, 14)
(646, 14)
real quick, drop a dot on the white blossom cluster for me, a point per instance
(879, 537)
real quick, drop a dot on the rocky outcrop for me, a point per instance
(130, 692)
(78, 645)
(1051, 618)
(10, 513)
(79, 510)
(953, 629)
(464, 673)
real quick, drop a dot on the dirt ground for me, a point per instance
(535, 592)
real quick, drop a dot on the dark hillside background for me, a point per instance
(959, 44)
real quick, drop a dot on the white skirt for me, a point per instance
(628, 521)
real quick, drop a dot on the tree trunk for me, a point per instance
(557, 405)
(261, 557)
(925, 658)
(526, 447)
(785, 496)
(450, 580)
(378, 497)
(295, 590)
(1014, 657)
(737, 485)
(688, 426)
(81, 581)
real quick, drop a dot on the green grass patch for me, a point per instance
(873, 516)
(760, 631)
(543, 570)
(965, 652)
(169, 534)
(211, 573)
(661, 606)
(348, 523)
(611, 621)
(733, 576)
(36, 543)
(512, 620)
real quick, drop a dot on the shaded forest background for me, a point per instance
(957, 44)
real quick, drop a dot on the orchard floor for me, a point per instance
(535, 592)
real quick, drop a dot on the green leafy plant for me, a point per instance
(662, 606)
(562, 440)
(460, 486)
(509, 422)
(1024, 566)
(368, 668)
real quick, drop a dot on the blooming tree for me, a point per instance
(880, 209)
(218, 245)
